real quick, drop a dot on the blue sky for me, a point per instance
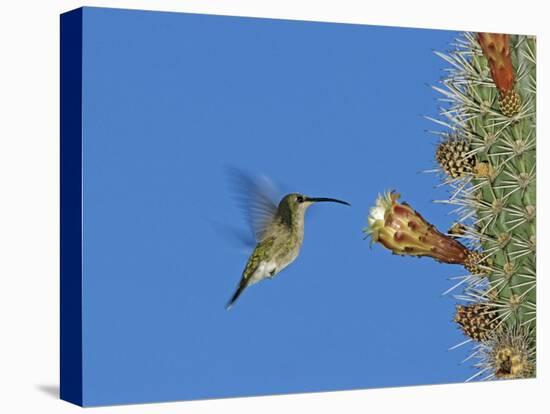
(330, 110)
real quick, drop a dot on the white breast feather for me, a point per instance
(263, 271)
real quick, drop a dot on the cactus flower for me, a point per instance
(401, 229)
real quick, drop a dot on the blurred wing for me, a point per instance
(243, 239)
(256, 196)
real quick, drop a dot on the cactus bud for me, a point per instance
(509, 103)
(496, 48)
(453, 157)
(477, 321)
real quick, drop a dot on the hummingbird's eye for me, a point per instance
(300, 199)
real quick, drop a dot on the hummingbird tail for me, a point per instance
(240, 289)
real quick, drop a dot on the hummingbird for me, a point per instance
(279, 231)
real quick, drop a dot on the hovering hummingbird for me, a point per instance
(279, 231)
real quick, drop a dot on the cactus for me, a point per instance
(491, 110)
(486, 157)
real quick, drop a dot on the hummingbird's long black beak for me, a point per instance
(325, 199)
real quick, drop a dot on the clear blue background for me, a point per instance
(332, 110)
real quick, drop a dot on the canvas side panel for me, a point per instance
(71, 207)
